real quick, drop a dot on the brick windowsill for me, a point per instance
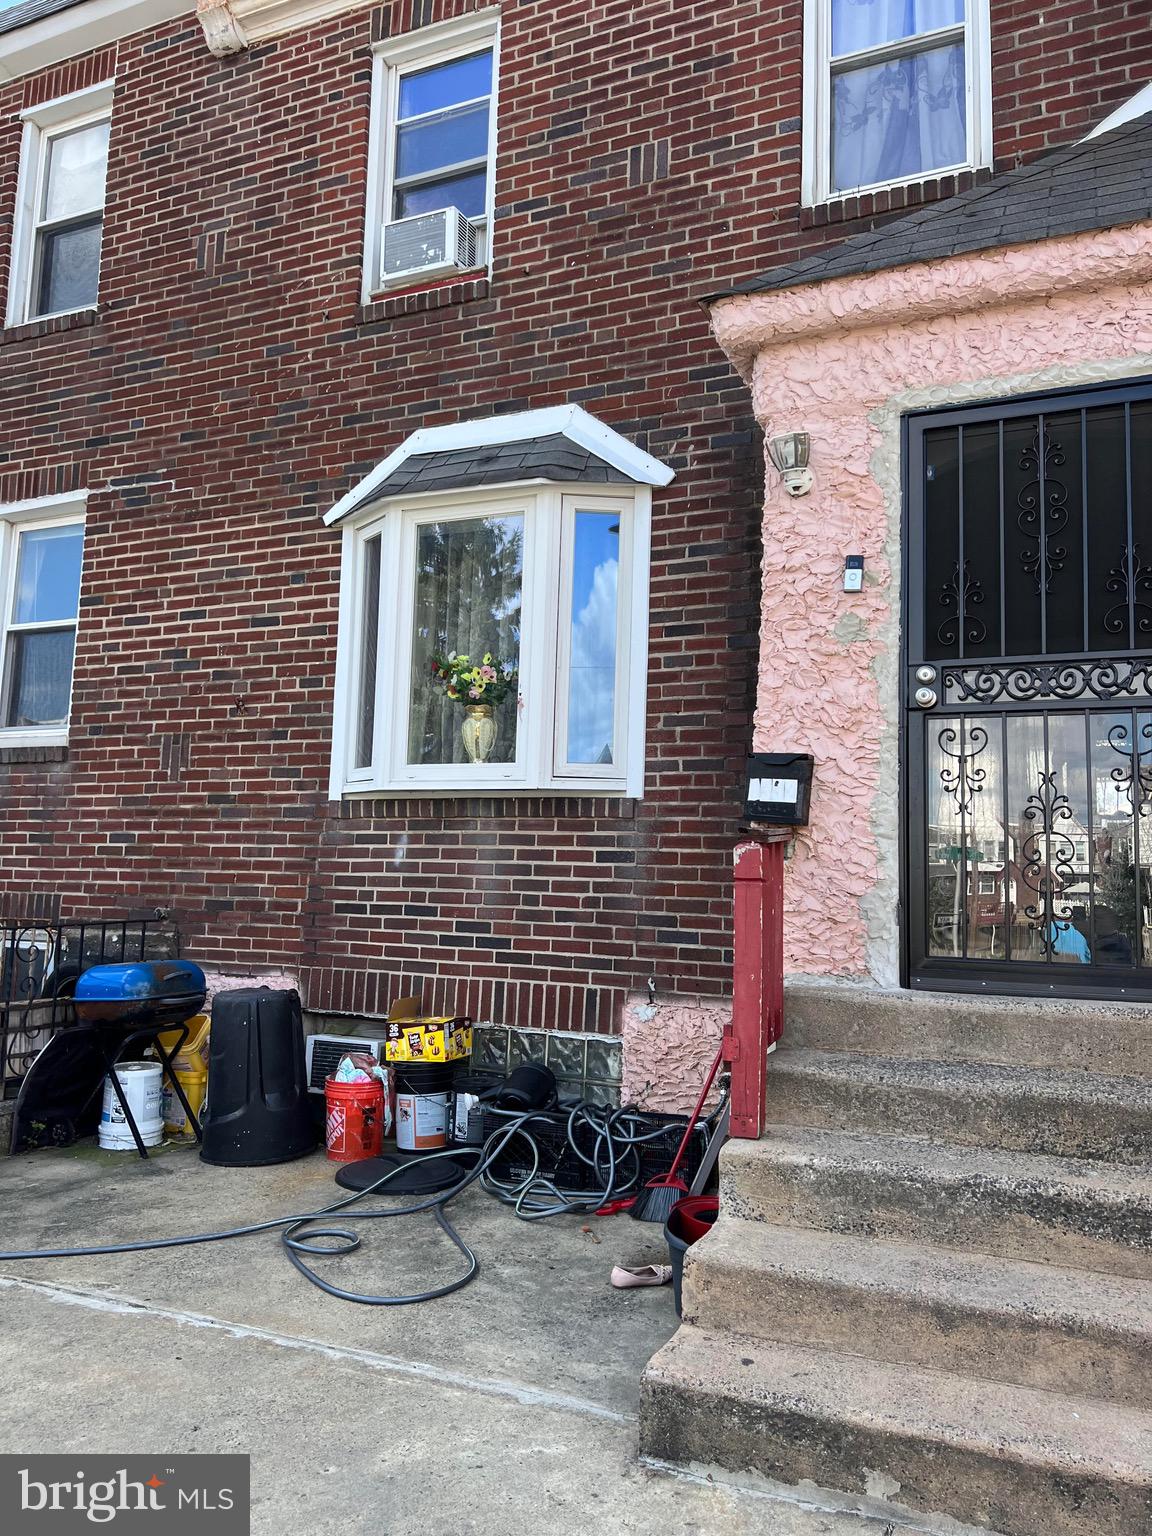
(33, 755)
(81, 319)
(867, 205)
(419, 301)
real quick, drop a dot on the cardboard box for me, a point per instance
(441, 1039)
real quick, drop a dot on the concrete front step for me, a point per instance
(1023, 1109)
(1011, 1459)
(1059, 1330)
(1050, 1210)
(1114, 1038)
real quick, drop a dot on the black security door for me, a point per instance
(1028, 693)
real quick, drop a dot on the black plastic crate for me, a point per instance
(562, 1166)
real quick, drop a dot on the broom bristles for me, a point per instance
(655, 1200)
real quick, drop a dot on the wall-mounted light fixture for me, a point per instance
(789, 454)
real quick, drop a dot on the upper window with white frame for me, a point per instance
(495, 638)
(431, 167)
(60, 206)
(895, 90)
(41, 554)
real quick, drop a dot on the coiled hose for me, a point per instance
(614, 1159)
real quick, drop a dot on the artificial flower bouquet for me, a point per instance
(464, 681)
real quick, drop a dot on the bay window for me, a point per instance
(41, 552)
(895, 91)
(495, 640)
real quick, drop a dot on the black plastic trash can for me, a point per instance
(258, 1110)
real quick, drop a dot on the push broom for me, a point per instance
(659, 1195)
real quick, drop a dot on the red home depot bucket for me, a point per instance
(355, 1120)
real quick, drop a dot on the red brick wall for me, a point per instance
(231, 389)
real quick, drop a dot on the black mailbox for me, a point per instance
(779, 788)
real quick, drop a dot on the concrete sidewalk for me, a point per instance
(509, 1407)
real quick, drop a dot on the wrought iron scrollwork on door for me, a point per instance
(961, 778)
(1130, 578)
(960, 595)
(1133, 778)
(1022, 682)
(1043, 514)
(1047, 853)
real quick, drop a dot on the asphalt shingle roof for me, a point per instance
(555, 457)
(1095, 184)
(22, 15)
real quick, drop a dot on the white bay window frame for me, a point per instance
(43, 124)
(16, 519)
(820, 67)
(393, 58)
(546, 610)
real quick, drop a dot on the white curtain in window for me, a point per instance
(901, 117)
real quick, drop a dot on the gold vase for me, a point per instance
(478, 732)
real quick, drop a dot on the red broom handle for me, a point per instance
(691, 1126)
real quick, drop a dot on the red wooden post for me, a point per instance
(757, 978)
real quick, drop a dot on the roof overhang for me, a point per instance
(569, 421)
(38, 35)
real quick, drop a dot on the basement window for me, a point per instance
(41, 554)
(59, 222)
(894, 91)
(432, 157)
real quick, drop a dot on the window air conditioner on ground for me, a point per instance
(429, 244)
(322, 1054)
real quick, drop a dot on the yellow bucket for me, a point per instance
(191, 1067)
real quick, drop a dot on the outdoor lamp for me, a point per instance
(789, 454)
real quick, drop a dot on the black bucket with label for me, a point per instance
(423, 1103)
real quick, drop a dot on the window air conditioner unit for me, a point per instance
(428, 245)
(322, 1054)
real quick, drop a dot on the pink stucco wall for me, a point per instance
(668, 1048)
(843, 360)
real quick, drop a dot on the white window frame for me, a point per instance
(42, 124)
(549, 511)
(816, 177)
(16, 518)
(392, 59)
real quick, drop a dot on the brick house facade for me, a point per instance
(231, 386)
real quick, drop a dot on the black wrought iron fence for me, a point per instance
(41, 958)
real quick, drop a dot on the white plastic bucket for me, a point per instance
(141, 1085)
(421, 1121)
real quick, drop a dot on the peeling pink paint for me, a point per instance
(842, 360)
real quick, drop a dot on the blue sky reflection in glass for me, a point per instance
(592, 668)
(442, 127)
(48, 574)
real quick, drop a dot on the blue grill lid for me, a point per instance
(144, 989)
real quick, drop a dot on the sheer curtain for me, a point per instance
(903, 116)
(468, 595)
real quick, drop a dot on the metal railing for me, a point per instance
(41, 958)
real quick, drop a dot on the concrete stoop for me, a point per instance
(932, 1279)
